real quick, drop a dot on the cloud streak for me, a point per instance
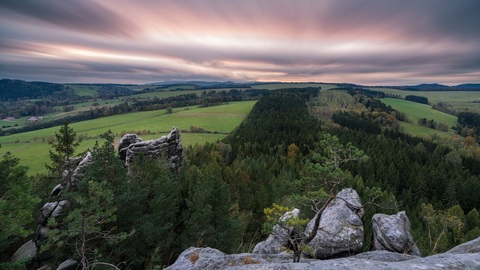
(369, 42)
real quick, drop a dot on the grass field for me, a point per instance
(416, 111)
(458, 100)
(32, 147)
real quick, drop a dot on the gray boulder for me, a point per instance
(278, 239)
(168, 147)
(340, 232)
(394, 233)
(51, 209)
(208, 258)
(125, 142)
(26, 251)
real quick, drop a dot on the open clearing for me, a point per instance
(415, 111)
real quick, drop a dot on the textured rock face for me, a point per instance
(340, 232)
(126, 141)
(26, 251)
(468, 247)
(278, 239)
(208, 258)
(51, 209)
(393, 233)
(168, 147)
(79, 171)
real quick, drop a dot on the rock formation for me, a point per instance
(465, 257)
(125, 142)
(394, 233)
(278, 239)
(168, 147)
(340, 232)
(130, 146)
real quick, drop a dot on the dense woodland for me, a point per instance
(218, 197)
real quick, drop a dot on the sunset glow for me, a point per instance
(367, 42)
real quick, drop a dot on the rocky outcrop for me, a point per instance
(278, 239)
(208, 258)
(394, 233)
(168, 147)
(125, 142)
(79, 171)
(340, 232)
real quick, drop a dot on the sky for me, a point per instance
(370, 42)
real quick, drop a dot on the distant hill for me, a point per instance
(203, 84)
(18, 89)
(440, 87)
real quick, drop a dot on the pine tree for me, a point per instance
(63, 148)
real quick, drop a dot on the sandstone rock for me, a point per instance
(68, 265)
(393, 233)
(56, 190)
(340, 232)
(278, 239)
(42, 232)
(79, 171)
(51, 209)
(126, 141)
(208, 258)
(26, 251)
(168, 147)
(472, 246)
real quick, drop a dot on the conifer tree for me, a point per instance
(63, 148)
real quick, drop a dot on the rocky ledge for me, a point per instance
(465, 256)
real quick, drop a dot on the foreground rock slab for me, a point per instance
(461, 257)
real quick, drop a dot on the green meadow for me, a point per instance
(32, 147)
(457, 100)
(415, 111)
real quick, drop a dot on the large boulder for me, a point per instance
(26, 251)
(394, 233)
(278, 239)
(168, 147)
(340, 232)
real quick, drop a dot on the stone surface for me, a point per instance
(340, 232)
(125, 142)
(168, 147)
(468, 247)
(68, 265)
(394, 233)
(51, 209)
(26, 251)
(208, 258)
(278, 239)
(79, 171)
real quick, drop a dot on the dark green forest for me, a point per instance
(218, 197)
